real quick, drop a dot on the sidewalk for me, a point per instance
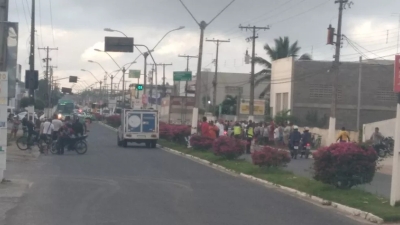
(14, 154)
(380, 185)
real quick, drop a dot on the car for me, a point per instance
(84, 115)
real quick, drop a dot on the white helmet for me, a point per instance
(295, 127)
(307, 128)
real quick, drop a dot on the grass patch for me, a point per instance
(355, 198)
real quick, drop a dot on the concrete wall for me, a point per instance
(228, 79)
(312, 91)
(386, 127)
(324, 134)
(281, 77)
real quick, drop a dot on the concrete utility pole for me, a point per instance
(51, 83)
(145, 55)
(336, 72)
(215, 81)
(163, 84)
(359, 94)
(253, 55)
(47, 75)
(188, 57)
(4, 25)
(32, 56)
(202, 26)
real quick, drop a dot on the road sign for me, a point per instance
(134, 73)
(118, 44)
(396, 84)
(182, 75)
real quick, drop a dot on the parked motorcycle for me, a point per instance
(305, 150)
(385, 147)
(295, 149)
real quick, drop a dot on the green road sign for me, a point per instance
(134, 73)
(182, 76)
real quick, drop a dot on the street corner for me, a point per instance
(16, 155)
(11, 192)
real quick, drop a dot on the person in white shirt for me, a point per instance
(48, 128)
(57, 124)
(276, 136)
(221, 128)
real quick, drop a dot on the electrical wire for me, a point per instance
(40, 22)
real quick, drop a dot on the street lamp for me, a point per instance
(96, 80)
(111, 76)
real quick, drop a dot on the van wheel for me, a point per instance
(153, 144)
(124, 144)
(119, 142)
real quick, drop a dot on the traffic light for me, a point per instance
(73, 79)
(32, 77)
(139, 87)
(331, 35)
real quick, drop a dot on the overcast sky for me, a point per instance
(76, 28)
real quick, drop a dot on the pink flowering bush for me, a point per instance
(173, 132)
(345, 164)
(228, 147)
(201, 143)
(114, 121)
(270, 157)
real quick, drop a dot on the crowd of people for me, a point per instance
(50, 129)
(262, 133)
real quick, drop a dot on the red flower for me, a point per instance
(228, 147)
(270, 157)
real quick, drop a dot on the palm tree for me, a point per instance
(282, 49)
(305, 56)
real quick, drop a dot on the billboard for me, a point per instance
(259, 107)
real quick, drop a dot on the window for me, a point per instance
(285, 101)
(278, 102)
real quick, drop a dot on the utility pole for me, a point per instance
(359, 94)
(51, 84)
(123, 86)
(163, 83)
(47, 75)
(336, 72)
(188, 57)
(32, 57)
(215, 81)
(253, 55)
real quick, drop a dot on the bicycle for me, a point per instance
(316, 142)
(22, 142)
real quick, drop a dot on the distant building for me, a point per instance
(305, 87)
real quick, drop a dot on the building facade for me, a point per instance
(305, 87)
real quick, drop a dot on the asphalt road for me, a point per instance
(112, 185)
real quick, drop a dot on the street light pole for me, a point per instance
(123, 86)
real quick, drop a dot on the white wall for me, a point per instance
(386, 127)
(281, 76)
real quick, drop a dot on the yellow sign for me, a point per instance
(3, 101)
(259, 107)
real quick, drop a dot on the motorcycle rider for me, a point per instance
(305, 138)
(78, 127)
(65, 133)
(294, 139)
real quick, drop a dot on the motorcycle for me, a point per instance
(305, 151)
(385, 147)
(295, 150)
(77, 144)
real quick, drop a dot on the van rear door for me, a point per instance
(149, 122)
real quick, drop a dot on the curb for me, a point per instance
(345, 209)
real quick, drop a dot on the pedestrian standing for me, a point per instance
(15, 125)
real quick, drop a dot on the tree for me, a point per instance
(229, 105)
(282, 49)
(39, 104)
(305, 56)
(24, 102)
(283, 117)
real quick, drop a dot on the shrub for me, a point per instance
(228, 147)
(270, 157)
(114, 120)
(345, 164)
(201, 143)
(172, 132)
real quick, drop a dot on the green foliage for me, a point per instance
(282, 49)
(39, 104)
(229, 105)
(305, 56)
(283, 117)
(24, 102)
(313, 120)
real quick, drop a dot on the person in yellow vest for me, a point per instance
(237, 130)
(343, 136)
(250, 136)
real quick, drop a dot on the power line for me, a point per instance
(23, 8)
(51, 20)
(40, 22)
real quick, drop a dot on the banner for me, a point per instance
(259, 107)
